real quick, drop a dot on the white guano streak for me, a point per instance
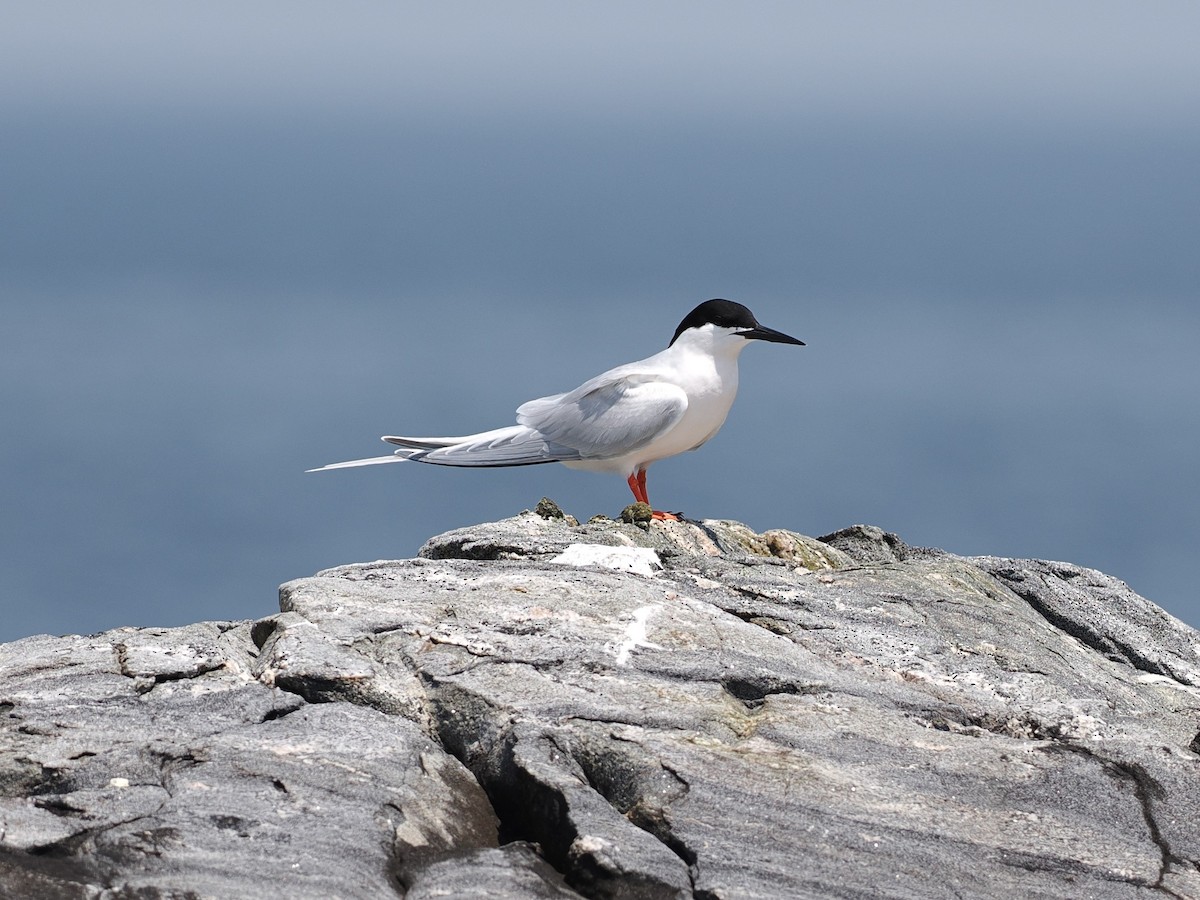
(635, 634)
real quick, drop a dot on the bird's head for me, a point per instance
(727, 320)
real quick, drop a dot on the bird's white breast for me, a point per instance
(709, 377)
(712, 386)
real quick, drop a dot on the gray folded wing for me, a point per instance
(609, 416)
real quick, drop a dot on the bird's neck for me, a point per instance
(712, 365)
(720, 346)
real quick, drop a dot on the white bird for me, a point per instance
(620, 421)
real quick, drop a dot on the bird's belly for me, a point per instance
(704, 417)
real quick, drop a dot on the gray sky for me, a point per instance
(241, 241)
(1026, 60)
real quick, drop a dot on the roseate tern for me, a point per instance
(623, 420)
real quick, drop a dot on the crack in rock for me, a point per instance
(1102, 614)
(752, 690)
(543, 794)
(1146, 790)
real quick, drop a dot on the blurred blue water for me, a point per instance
(200, 303)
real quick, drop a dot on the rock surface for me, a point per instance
(693, 711)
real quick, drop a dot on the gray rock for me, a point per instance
(763, 716)
(1103, 613)
(512, 872)
(868, 544)
(152, 763)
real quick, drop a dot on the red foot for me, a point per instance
(665, 516)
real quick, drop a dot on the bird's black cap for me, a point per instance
(728, 314)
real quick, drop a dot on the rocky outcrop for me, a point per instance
(538, 708)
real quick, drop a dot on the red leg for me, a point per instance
(638, 487)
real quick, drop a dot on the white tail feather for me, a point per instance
(350, 464)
